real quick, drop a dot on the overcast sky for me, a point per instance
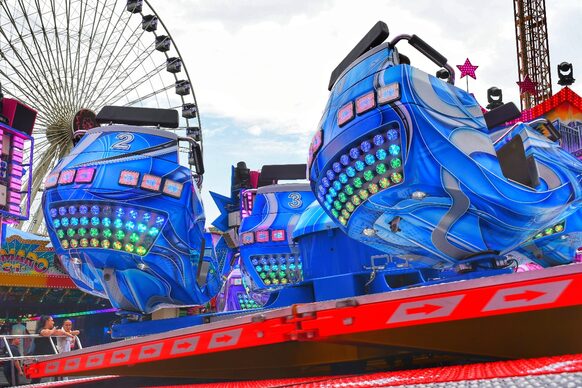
(260, 68)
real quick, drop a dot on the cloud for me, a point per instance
(254, 130)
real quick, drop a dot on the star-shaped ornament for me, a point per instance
(527, 86)
(467, 69)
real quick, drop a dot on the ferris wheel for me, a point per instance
(68, 59)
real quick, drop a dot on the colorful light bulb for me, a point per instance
(83, 209)
(395, 163)
(134, 237)
(154, 231)
(65, 244)
(133, 214)
(94, 242)
(373, 188)
(350, 207)
(336, 167)
(72, 210)
(392, 135)
(82, 231)
(370, 159)
(74, 243)
(325, 182)
(368, 175)
(394, 149)
(117, 245)
(342, 197)
(335, 213)
(129, 248)
(351, 172)
(107, 233)
(322, 190)
(366, 146)
(140, 251)
(84, 242)
(94, 232)
(129, 225)
(62, 210)
(333, 192)
(141, 228)
(359, 165)
(378, 140)
(354, 153)
(384, 183)
(396, 177)
(60, 233)
(349, 190)
(337, 185)
(356, 200)
(65, 222)
(74, 221)
(120, 235)
(363, 194)
(105, 244)
(71, 232)
(342, 220)
(84, 221)
(106, 222)
(57, 223)
(107, 210)
(330, 175)
(559, 228)
(53, 212)
(381, 168)
(358, 182)
(118, 223)
(337, 205)
(95, 221)
(120, 212)
(381, 154)
(343, 178)
(345, 159)
(345, 214)
(146, 217)
(95, 210)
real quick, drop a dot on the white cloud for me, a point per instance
(255, 130)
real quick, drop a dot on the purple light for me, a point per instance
(366, 146)
(392, 135)
(321, 190)
(325, 182)
(337, 167)
(345, 159)
(330, 175)
(53, 212)
(72, 210)
(62, 210)
(95, 210)
(354, 153)
(83, 209)
(378, 140)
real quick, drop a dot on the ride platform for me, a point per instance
(521, 315)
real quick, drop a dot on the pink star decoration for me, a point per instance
(527, 86)
(467, 69)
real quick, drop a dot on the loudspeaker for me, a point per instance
(20, 116)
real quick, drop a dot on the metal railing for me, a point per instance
(26, 359)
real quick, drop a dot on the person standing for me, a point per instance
(43, 344)
(65, 344)
(13, 369)
(19, 329)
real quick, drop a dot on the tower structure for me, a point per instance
(533, 55)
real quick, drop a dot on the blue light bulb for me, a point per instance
(359, 165)
(354, 153)
(53, 212)
(392, 135)
(381, 154)
(325, 182)
(321, 190)
(72, 209)
(394, 149)
(345, 159)
(330, 175)
(366, 146)
(370, 159)
(159, 220)
(378, 140)
(337, 185)
(351, 172)
(62, 210)
(83, 209)
(343, 178)
(133, 214)
(336, 167)
(106, 222)
(95, 210)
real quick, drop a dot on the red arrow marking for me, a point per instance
(526, 295)
(224, 338)
(150, 351)
(94, 360)
(121, 355)
(184, 345)
(425, 309)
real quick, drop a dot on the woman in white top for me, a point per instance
(65, 344)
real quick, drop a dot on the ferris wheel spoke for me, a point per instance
(110, 98)
(31, 73)
(113, 70)
(105, 41)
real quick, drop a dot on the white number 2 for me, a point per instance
(123, 143)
